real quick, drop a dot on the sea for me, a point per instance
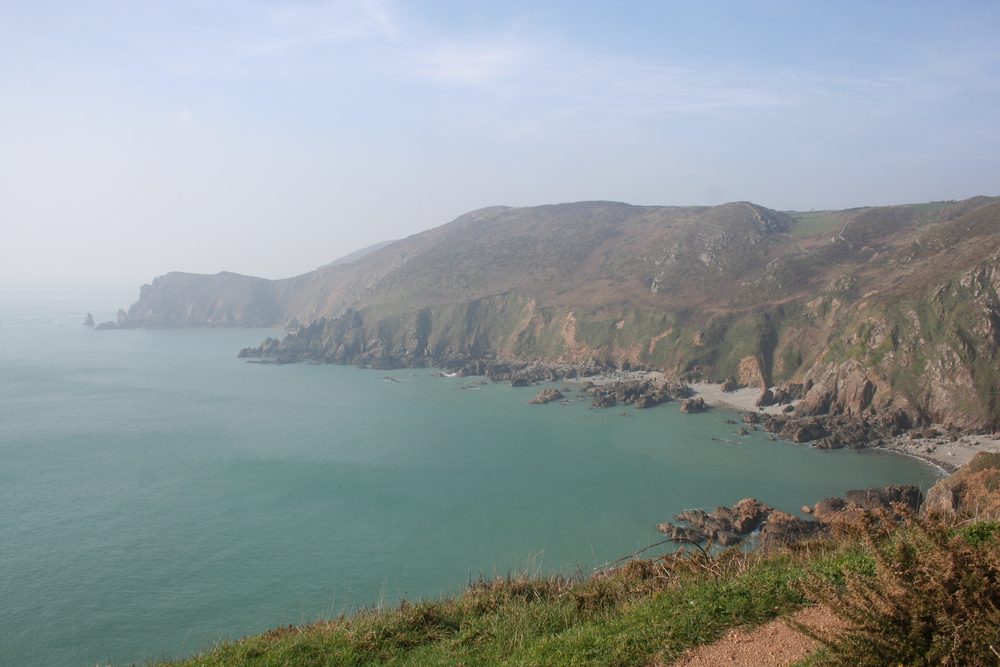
(159, 496)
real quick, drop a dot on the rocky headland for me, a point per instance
(876, 326)
(968, 494)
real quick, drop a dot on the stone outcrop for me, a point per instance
(698, 293)
(727, 526)
(546, 396)
(89, 320)
(856, 503)
(603, 401)
(122, 321)
(973, 491)
(692, 405)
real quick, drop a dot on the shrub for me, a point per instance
(933, 598)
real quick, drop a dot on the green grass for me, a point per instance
(902, 587)
(814, 223)
(644, 612)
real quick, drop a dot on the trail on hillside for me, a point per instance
(773, 645)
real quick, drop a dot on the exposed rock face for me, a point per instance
(856, 503)
(603, 401)
(782, 528)
(766, 399)
(121, 322)
(725, 525)
(691, 405)
(917, 331)
(546, 396)
(970, 492)
(728, 525)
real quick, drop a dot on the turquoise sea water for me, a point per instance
(158, 494)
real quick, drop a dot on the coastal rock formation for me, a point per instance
(884, 310)
(546, 396)
(725, 525)
(604, 401)
(691, 405)
(856, 503)
(728, 526)
(89, 320)
(970, 492)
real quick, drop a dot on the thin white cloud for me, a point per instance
(469, 63)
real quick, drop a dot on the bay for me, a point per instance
(158, 494)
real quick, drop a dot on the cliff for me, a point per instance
(888, 308)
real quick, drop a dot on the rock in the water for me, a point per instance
(519, 382)
(546, 396)
(691, 405)
(725, 525)
(89, 320)
(603, 401)
(646, 401)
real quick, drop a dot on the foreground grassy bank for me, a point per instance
(915, 592)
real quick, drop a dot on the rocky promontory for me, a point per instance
(728, 526)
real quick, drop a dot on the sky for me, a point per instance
(269, 137)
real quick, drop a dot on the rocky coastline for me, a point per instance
(824, 414)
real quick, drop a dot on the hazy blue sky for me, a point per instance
(269, 137)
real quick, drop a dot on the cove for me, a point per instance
(159, 494)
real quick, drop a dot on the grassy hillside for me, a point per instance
(908, 292)
(920, 592)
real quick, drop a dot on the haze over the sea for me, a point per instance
(268, 138)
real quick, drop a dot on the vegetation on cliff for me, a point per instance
(883, 309)
(914, 592)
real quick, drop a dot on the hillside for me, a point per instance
(881, 309)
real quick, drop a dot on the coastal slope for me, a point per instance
(876, 309)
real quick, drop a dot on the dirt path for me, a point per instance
(772, 645)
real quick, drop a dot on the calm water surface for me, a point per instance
(157, 494)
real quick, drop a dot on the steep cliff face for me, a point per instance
(882, 309)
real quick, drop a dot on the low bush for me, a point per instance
(932, 597)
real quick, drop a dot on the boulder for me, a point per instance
(782, 528)
(519, 382)
(748, 515)
(730, 384)
(766, 399)
(691, 405)
(546, 396)
(855, 503)
(603, 401)
(646, 401)
(885, 497)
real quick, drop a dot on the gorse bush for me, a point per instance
(933, 597)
